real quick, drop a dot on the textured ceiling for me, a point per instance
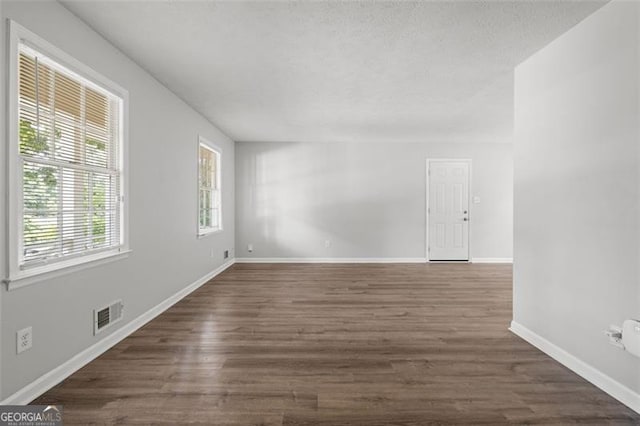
(339, 71)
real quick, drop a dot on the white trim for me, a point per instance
(14, 178)
(28, 277)
(58, 374)
(492, 260)
(212, 231)
(426, 209)
(202, 141)
(19, 34)
(331, 260)
(596, 377)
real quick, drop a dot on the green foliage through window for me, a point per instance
(43, 198)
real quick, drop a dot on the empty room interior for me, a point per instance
(320, 212)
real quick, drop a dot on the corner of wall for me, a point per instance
(577, 123)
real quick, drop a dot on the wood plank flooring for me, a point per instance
(336, 345)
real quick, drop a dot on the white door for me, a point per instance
(448, 210)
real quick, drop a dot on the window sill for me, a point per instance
(28, 277)
(204, 234)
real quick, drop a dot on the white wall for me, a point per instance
(367, 199)
(576, 189)
(3, 179)
(166, 256)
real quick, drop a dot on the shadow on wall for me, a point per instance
(325, 200)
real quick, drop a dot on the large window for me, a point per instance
(67, 162)
(209, 210)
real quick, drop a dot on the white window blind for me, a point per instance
(209, 216)
(70, 163)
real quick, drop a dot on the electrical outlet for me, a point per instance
(226, 254)
(327, 243)
(615, 336)
(213, 253)
(24, 339)
(250, 248)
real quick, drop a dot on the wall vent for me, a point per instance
(107, 316)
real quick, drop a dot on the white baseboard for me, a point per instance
(492, 260)
(614, 388)
(58, 374)
(361, 260)
(331, 260)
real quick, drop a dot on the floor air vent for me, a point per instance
(107, 316)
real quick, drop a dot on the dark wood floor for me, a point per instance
(336, 345)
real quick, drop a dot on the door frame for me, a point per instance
(427, 205)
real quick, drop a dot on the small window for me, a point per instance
(66, 162)
(209, 194)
